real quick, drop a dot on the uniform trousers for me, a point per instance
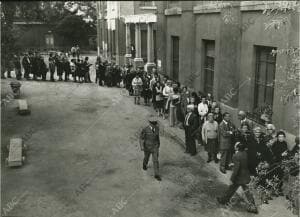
(154, 154)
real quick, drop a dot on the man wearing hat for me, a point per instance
(150, 142)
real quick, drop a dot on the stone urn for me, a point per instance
(15, 86)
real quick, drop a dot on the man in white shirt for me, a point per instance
(137, 87)
(167, 91)
(202, 110)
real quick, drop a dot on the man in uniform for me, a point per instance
(150, 143)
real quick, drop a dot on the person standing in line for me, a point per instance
(26, 65)
(218, 117)
(185, 95)
(279, 150)
(97, 68)
(51, 67)
(17, 66)
(190, 128)
(167, 91)
(210, 138)
(102, 68)
(86, 66)
(67, 69)
(153, 81)
(243, 119)
(174, 114)
(246, 137)
(146, 92)
(73, 51)
(77, 49)
(59, 66)
(202, 110)
(35, 66)
(239, 177)
(226, 129)
(150, 143)
(43, 68)
(159, 101)
(137, 84)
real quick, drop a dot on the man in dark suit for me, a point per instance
(226, 129)
(150, 143)
(190, 128)
(240, 177)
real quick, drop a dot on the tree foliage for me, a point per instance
(51, 12)
(74, 30)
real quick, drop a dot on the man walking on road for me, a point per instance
(240, 177)
(150, 143)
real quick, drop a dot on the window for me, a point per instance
(264, 82)
(147, 3)
(209, 66)
(175, 57)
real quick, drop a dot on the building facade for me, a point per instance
(127, 32)
(223, 49)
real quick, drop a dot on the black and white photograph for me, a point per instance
(150, 108)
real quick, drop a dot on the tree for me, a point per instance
(52, 12)
(74, 30)
(7, 36)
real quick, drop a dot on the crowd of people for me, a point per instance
(245, 145)
(64, 65)
(197, 113)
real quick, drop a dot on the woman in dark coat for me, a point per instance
(279, 151)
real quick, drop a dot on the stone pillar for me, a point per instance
(109, 50)
(128, 44)
(138, 61)
(105, 44)
(150, 48)
(161, 36)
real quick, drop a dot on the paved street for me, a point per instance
(84, 159)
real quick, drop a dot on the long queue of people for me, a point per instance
(247, 149)
(64, 66)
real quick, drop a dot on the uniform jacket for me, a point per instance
(149, 140)
(224, 136)
(240, 174)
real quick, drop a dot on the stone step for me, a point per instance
(15, 152)
(23, 107)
